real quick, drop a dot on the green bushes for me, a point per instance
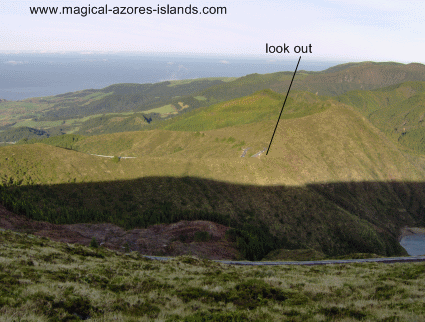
(79, 250)
(145, 308)
(213, 317)
(246, 295)
(342, 312)
(70, 307)
(254, 241)
(178, 149)
(94, 243)
(254, 292)
(76, 306)
(202, 236)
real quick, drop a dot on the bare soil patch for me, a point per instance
(163, 239)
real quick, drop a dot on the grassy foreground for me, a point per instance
(41, 280)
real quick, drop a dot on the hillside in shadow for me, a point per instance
(334, 218)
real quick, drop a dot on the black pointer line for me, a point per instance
(293, 76)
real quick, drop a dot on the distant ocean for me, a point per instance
(34, 75)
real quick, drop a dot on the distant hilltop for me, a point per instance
(2, 100)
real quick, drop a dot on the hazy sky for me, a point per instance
(379, 30)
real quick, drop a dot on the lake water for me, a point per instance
(414, 244)
(34, 75)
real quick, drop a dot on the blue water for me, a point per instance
(34, 75)
(414, 244)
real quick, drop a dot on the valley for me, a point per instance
(95, 179)
(334, 160)
(328, 165)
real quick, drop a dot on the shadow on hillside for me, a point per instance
(335, 218)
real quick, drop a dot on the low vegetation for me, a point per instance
(88, 112)
(302, 192)
(261, 106)
(338, 179)
(398, 111)
(41, 280)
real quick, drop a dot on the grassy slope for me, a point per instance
(73, 107)
(54, 281)
(247, 85)
(333, 81)
(397, 110)
(360, 76)
(337, 144)
(261, 106)
(129, 97)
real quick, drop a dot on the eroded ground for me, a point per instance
(168, 240)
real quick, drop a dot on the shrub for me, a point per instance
(231, 140)
(94, 243)
(342, 312)
(140, 309)
(178, 149)
(183, 238)
(253, 242)
(75, 305)
(247, 295)
(215, 317)
(202, 236)
(254, 292)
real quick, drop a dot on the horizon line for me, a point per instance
(271, 58)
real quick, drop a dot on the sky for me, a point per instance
(349, 30)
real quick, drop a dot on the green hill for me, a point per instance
(337, 178)
(332, 145)
(360, 76)
(261, 106)
(124, 98)
(331, 182)
(398, 111)
(120, 107)
(16, 134)
(331, 82)
(68, 112)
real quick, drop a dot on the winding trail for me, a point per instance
(110, 156)
(387, 260)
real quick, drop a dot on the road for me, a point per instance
(387, 260)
